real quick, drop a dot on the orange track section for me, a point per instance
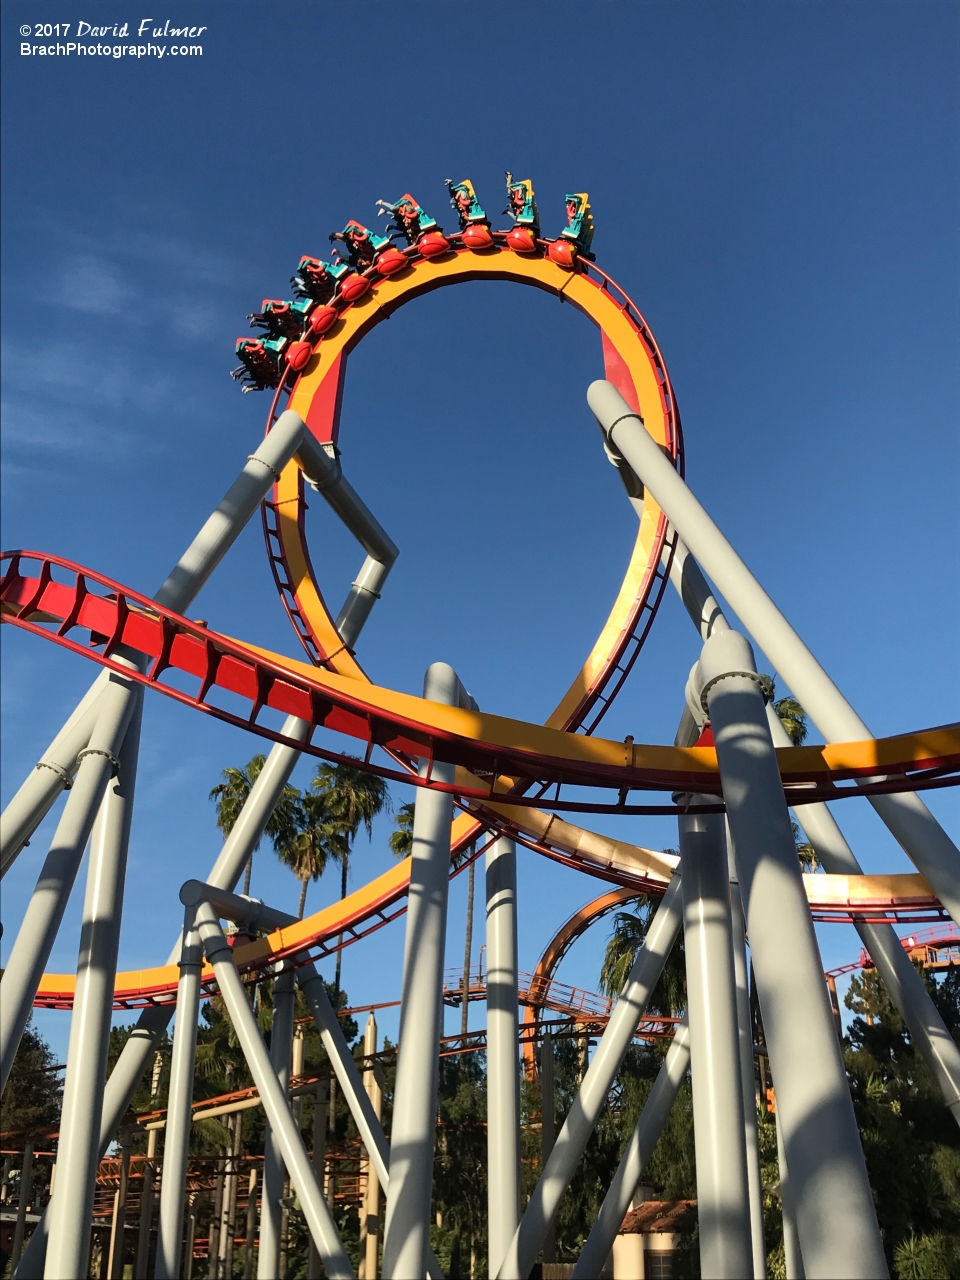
(498, 758)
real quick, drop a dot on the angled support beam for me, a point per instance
(179, 1104)
(592, 1098)
(723, 1195)
(78, 1150)
(38, 930)
(295, 1157)
(407, 1231)
(905, 986)
(34, 799)
(503, 1029)
(836, 1218)
(747, 1079)
(912, 824)
(181, 586)
(644, 1138)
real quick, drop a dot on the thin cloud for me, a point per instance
(94, 285)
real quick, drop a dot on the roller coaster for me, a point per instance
(485, 783)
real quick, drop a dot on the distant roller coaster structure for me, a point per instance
(728, 778)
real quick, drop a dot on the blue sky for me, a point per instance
(776, 187)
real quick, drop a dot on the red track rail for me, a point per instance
(121, 617)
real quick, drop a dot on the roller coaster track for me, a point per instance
(486, 745)
(499, 760)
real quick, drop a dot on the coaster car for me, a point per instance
(262, 362)
(317, 279)
(282, 319)
(465, 203)
(362, 244)
(407, 218)
(522, 205)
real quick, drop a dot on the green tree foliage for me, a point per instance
(911, 1147)
(629, 931)
(352, 798)
(34, 1092)
(401, 838)
(460, 1165)
(319, 840)
(793, 718)
(231, 795)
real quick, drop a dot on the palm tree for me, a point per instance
(231, 795)
(401, 840)
(629, 932)
(312, 845)
(350, 798)
(793, 718)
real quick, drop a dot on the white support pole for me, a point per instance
(407, 1232)
(905, 986)
(370, 1235)
(836, 1217)
(912, 824)
(181, 586)
(271, 1210)
(635, 1159)
(38, 931)
(792, 1257)
(341, 1059)
(78, 1150)
(723, 1197)
(747, 1080)
(595, 1089)
(52, 774)
(179, 1104)
(321, 1224)
(28, 807)
(503, 1029)
(928, 1031)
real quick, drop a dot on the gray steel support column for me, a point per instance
(250, 1225)
(927, 1029)
(251, 823)
(835, 1213)
(115, 1268)
(793, 1259)
(723, 1197)
(271, 1210)
(208, 548)
(596, 1086)
(407, 1230)
(912, 824)
(195, 566)
(548, 1129)
(241, 500)
(53, 772)
(364, 594)
(644, 1138)
(503, 1030)
(345, 1067)
(747, 1081)
(176, 1146)
(148, 1031)
(38, 931)
(319, 1221)
(905, 986)
(23, 1199)
(78, 1151)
